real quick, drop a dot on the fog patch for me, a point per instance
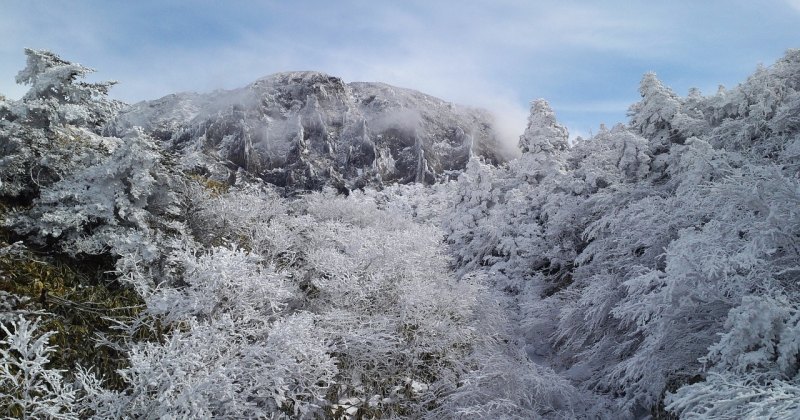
(510, 120)
(405, 120)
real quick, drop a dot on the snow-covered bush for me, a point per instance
(224, 368)
(755, 366)
(29, 387)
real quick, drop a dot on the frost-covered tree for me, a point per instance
(544, 133)
(121, 205)
(477, 191)
(544, 144)
(635, 250)
(56, 96)
(53, 129)
(652, 117)
(487, 199)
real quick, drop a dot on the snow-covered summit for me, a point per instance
(308, 129)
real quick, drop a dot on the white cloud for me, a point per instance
(596, 106)
(794, 4)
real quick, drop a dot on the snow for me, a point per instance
(654, 265)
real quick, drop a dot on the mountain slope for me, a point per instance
(304, 130)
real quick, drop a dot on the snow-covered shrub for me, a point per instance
(396, 317)
(29, 387)
(762, 338)
(225, 368)
(424, 203)
(734, 396)
(233, 347)
(754, 366)
(251, 217)
(221, 281)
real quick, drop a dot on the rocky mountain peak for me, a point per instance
(305, 130)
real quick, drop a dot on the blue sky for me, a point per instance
(586, 58)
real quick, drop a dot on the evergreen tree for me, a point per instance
(54, 128)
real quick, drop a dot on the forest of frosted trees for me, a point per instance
(650, 270)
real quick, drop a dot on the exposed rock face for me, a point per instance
(304, 130)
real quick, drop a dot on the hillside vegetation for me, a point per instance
(650, 270)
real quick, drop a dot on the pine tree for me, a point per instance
(543, 134)
(54, 128)
(652, 117)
